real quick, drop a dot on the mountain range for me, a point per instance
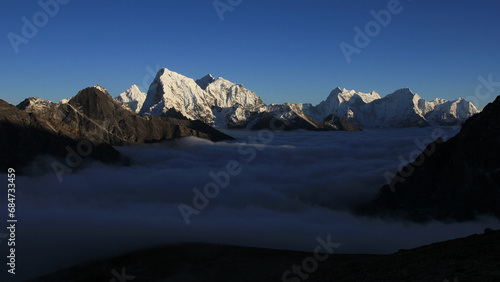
(39, 127)
(223, 104)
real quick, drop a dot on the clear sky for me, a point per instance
(285, 51)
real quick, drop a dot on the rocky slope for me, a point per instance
(289, 116)
(24, 135)
(99, 111)
(453, 180)
(37, 127)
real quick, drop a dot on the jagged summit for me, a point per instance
(172, 91)
(402, 108)
(224, 104)
(172, 94)
(133, 97)
(32, 104)
(346, 95)
(403, 91)
(205, 81)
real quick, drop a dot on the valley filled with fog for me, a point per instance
(289, 189)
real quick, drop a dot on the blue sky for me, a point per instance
(285, 51)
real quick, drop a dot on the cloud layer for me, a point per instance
(292, 189)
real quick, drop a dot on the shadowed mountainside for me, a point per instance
(454, 180)
(38, 127)
(25, 136)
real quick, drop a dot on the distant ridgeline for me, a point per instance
(224, 104)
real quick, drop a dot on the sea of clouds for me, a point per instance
(292, 187)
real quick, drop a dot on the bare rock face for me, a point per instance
(25, 135)
(289, 116)
(337, 123)
(453, 180)
(94, 110)
(38, 127)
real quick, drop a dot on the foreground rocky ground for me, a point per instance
(473, 258)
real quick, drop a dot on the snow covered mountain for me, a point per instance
(218, 102)
(224, 104)
(401, 108)
(133, 97)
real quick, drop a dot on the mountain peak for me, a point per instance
(100, 88)
(134, 87)
(223, 103)
(133, 97)
(163, 72)
(404, 90)
(404, 93)
(205, 81)
(94, 101)
(337, 90)
(33, 103)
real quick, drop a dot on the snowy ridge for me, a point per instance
(170, 90)
(231, 103)
(287, 111)
(224, 104)
(401, 108)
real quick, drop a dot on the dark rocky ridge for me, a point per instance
(266, 120)
(472, 258)
(123, 127)
(454, 180)
(24, 136)
(338, 123)
(37, 127)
